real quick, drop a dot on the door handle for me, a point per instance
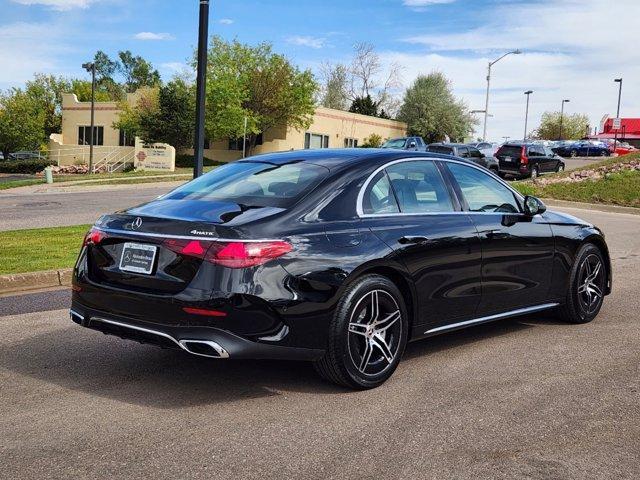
(412, 240)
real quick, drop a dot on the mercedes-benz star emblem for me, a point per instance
(136, 224)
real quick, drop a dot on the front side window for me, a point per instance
(394, 143)
(253, 184)
(482, 192)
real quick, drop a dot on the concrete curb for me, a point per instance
(22, 282)
(600, 207)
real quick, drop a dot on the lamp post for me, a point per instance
(615, 139)
(91, 68)
(486, 102)
(562, 116)
(526, 114)
(203, 33)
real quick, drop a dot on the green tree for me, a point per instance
(46, 91)
(256, 83)
(372, 141)
(364, 106)
(82, 89)
(431, 111)
(137, 72)
(161, 114)
(22, 122)
(573, 126)
(335, 88)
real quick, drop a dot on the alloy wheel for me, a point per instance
(591, 283)
(374, 333)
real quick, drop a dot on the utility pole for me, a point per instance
(486, 101)
(203, 34)
(244, 138)
(526, 114)
(615, 139)
(91, 68)
(562, 116)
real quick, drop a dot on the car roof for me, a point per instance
(449, 144)
(338, 157)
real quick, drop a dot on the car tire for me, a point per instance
(603, 153)
(573, 153)
(535, 173)
(560, 167)
(584, 297)
(359, 355)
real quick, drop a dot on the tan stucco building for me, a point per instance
(329, 129)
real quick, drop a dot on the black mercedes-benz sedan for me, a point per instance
(339, 257)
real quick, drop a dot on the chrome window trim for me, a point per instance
(360, 198)
(183, 237)
(490, 318)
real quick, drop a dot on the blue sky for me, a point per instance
(572, 49)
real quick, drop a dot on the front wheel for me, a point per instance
(560, 167)
(367, 334)
(588, 282)
(534, 172)
(574, 153)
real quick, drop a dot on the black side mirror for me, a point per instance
(533, 206)
(482, 155)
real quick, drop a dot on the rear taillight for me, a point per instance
(94, 237)
(230, 254)
(524, 160)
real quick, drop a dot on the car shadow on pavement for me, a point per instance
(104, 366)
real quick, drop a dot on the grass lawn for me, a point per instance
(111, 178)
(40, 248)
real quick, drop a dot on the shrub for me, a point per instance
(25, 166)
(372, 141)
(187, 161)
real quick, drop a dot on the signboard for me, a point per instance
(617, 124)
(156, 156)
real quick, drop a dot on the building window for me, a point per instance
(84, 135)
(350, 143)
(125, 140)
(207, 144)
(315, 140)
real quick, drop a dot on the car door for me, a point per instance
(517, 250)
(551, 160)
(476, 157)
(409, 207)
(536, 157)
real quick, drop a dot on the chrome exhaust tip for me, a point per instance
(204, 348)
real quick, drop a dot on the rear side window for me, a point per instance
(419, 187)
(378, 197)
(483, 192)
(253, 184)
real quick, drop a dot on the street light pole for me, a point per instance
(526, 114)
(615, 139)
(203, 34)
(562, 116)
(91, 68)
(486, 101)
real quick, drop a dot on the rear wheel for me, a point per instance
(367, 336)
(574, 153)
(587, 285)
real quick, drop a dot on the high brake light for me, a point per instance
(230, 254)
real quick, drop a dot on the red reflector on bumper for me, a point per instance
(204, 311)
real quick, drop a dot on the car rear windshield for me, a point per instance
(255, 184)
(510, 151)
(441, 149)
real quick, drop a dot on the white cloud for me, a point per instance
(225, 21)
(306, 41)
(564, 57)
(57, 4)
(153, 36)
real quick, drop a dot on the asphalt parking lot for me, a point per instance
(521, 398)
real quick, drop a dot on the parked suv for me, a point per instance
(523, 160)
(465, 151)
(415, 144)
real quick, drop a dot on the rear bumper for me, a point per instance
(196, 340)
